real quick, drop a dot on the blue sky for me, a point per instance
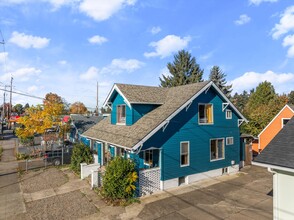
(66, 46)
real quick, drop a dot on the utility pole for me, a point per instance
(97, 106)
(4, 115)
(10, 107)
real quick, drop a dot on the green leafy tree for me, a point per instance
(291, 97)
(184, 70)
(81, 154)
(18, 108)
(219, 78)
(262, 106)
(240, 101)
(119, 179)
(26, 106)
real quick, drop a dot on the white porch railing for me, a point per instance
(149, 181)
(86, 170)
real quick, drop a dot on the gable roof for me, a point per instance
(279, 152)
(174, 100)
(137, 94)
(83, 123)
(290, 106)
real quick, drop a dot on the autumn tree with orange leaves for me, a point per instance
(78, 108)
(41, 117)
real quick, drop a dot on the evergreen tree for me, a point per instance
(241, 100)
(219, 78)
(184, 70)
(291, 97)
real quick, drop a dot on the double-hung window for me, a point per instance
(229, 141)
(121, 114)
(185, 151)
(148, 157)
(228, 114)
(205, 115)
(217, 149)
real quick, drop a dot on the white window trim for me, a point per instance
(231, 114)
(211, 114)
(227, 138)
(223, 149)
(282, 121)
(144, 155)
(119, 123)
(188, 164)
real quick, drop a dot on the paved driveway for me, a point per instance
(243, 196)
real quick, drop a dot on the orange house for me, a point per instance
(273, 128)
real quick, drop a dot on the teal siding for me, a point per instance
(85, 141)
(112, 151)
(139, 110)
(132, 114)
(184, 127)
(118, 100)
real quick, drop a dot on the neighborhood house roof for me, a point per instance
(83, 123)
(279, 152)
(173, 100)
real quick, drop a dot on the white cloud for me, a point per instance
(91, 73)
(3, 57)
(258, 2)
(101, 10)
(243, 19)
(119, 65)
(58, 3)
(168, 45)
(289, 41)
(32, 89)
(155, 30)
(206, 56)
(283, 82)
(164, 72)
(62, 62)
(22, 74)
(28, 41)
(286, 23)
(97, 40)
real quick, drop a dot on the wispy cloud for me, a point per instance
(3, 57)
(22, 74)
(285, 27)
(243, 19)
(206, 56)
(97, 40)
(286, 23)
(91, 73)
(258, 2)
(155, 30)
(168, 45)
(28, 41)
(62, 62)
(101, 10)
(252, 79)
(122, 65)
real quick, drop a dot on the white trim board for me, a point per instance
(115, 87)
(275, 167)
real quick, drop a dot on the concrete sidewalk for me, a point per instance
(11, 200)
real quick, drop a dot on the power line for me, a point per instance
(23, 94)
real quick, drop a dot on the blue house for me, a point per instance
(175, 135)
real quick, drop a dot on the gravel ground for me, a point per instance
(34, 181)
(71, 205)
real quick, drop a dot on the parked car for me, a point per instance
(55, 156)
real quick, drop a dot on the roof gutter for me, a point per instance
(273, 167)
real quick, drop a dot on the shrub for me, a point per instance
(81, 154)
(119, 179)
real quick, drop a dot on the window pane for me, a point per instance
(202, 118)
(184, 148)
(220, 149)
(213, 150)
(184, 159)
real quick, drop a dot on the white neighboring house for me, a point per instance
(278, 157)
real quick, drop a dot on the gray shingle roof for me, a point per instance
(143, 94)
(83, 123)
(129, 136)
(280, 151)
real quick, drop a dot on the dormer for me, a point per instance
(129, 103)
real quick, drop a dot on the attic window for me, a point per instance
(121, 114)
(228, 114)
(205, 114)
(285, 121)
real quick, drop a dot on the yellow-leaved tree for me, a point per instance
(39, 118)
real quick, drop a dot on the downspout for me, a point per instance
(275, 193)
